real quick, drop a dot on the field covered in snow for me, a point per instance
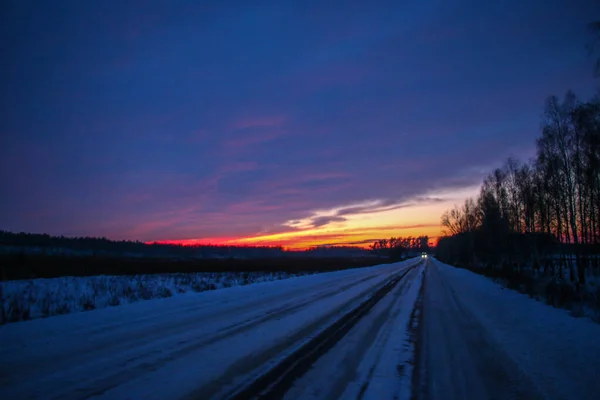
(37, 298)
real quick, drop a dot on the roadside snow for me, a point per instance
(37, 298)
(560, 353)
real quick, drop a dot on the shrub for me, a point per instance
(87, 303)
(559, 293)
(63, 309)
(114, 301)
(18, 309)
(163, 292)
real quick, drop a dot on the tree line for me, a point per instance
(45, 244)
(399, 247)
(531, 213)
(528, 210)
(101, 245)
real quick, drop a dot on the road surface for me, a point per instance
(416, 329)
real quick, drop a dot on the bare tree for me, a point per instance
(594, 44)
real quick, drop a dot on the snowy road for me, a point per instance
(353, 334)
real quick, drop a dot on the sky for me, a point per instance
(293, 123)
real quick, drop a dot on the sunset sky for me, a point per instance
(287, 122)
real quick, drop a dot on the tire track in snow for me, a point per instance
(134, 340)
(276, 382)
(157, 356)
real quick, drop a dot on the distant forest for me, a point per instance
(27, 255)
(397, 248)
(48, 244)
(90, 245)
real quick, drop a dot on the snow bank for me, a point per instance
(38, 298)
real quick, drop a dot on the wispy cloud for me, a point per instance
(326, 220)
(298, 238)
(322, 218)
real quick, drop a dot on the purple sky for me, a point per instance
(187, 119)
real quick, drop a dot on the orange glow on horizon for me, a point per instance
(303, 240)
(360, 229)
(304, 243)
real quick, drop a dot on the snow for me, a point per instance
(582, 299)
(553, 351)
(204, 343)
(480, 340)
(364, 363)
(379, 371)
(38, 298)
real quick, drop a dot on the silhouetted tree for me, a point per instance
(595, 44)
(398, 247)
(524, 208)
